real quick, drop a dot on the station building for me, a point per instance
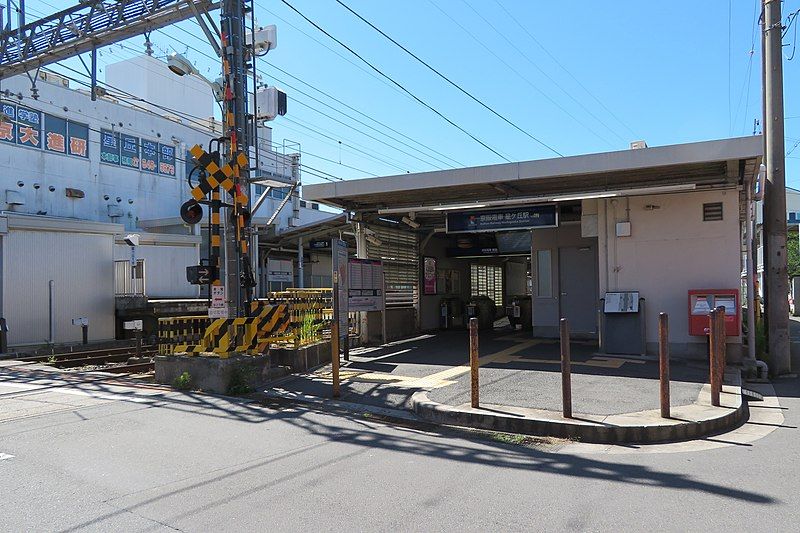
(606, 240)
(77, 175)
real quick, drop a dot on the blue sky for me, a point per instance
(597, 76)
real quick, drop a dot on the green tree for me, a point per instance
(793, 254)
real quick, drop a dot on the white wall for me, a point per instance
(670, 251)
(79, 261)
(156, 83)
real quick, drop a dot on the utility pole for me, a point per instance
(236, 131)
(775, 193)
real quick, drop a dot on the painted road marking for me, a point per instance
(447, 377)
(4, 456)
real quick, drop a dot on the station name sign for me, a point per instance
(512, 218)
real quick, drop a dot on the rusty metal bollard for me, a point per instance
(473, 359)
(566, 381)
(663, 362)
(721, 347)
(713, 355)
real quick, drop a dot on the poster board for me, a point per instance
(340, 277)
(366, 285)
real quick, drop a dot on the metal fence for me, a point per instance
(127, 283)
(310, 313)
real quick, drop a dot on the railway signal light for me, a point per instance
(191, 212)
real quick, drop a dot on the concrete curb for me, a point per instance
(354, 407)
(687, 422)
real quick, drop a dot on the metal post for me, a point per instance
(300, 267)
(383, 313)
(775, 193)
(335, 338)
(473, 359)
(232, 27)
(138, 343)
(663, 362)
(94, 74)
(362, 252)
(721, 340)
(751, 273)
(713, 349)
(85, 333)
(51, 288)
(566, 381)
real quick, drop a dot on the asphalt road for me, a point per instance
(99, 457)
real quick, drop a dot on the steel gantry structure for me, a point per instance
(87, 26)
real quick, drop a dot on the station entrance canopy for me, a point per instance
(429, 196)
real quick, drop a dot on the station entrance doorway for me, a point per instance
(525, 277)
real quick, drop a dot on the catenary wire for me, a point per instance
(398, 84)
(448, 80)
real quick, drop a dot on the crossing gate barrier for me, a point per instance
(290, 318)
(247, 335)
(173, 331)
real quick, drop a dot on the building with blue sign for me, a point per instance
(77, 175)
(606, 240)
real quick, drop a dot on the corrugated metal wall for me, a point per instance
(82, 267)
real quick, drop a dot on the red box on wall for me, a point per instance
(702, 301)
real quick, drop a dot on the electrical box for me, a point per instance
(622, 323)
(270, 103)
(623, 229)
(266, 39)
(702, 301)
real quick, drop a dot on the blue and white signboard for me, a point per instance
(508, 219)
(109, 147)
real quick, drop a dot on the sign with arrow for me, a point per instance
(200, 274)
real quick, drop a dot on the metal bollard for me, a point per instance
(335, 357)
(713, 349)
(566, 381)
(473, 359)
(663, 362)
(720, 349)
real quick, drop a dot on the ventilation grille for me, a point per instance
(712, 212)
(399, 251)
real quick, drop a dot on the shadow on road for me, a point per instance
(431, 442)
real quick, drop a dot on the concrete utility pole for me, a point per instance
(235, 120)
(775, 192)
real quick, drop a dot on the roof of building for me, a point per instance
(722, 162)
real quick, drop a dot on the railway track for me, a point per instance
(106, 358)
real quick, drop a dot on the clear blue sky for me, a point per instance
(606, 73)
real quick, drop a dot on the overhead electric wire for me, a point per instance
(546, 75)
(355, 129)
(748, 76)
(365, 115)
(352, 145)
(348, 145)
(417, 157)
(448, 80)
(398, 84)
(332, 50)
(565, 69)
